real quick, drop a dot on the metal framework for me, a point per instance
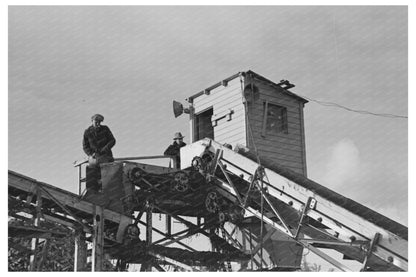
(379, 245)
(246, 205)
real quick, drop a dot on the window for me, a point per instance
(274, 119)
(203, 125)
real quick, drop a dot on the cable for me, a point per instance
(331, 104)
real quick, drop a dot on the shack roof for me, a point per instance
(244, 73)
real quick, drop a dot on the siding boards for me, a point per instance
(276, 93)
(225, 130)
(292, 131)
(276, 140)
(293, 150)
(259, 115)
(283, 157)
(230, 137)
(218, 95)
(285, 149)
(258, 109)
(292, 123)
(296, 166)
(225, 134)
(227, 97)
(222, 99)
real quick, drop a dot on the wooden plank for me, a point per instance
(302, 132)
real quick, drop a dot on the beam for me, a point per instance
(66, 198)
(163, 234)
(80, 255)
(35, 241)
(172, 261)
(237, 194)
(149, 224)
(98, 240)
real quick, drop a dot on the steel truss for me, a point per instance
(302, 214)
(270, 202)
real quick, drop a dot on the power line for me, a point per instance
(331, 104)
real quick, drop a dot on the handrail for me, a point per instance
(85, 160)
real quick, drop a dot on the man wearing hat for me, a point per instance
(173, 149)
(97, 143)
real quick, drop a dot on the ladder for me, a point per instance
(309, 213)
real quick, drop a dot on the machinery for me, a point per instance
(218, 187)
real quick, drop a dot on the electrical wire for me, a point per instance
(335, 105)
(332, 104)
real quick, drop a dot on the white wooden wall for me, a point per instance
(222, 99)
(285, 149)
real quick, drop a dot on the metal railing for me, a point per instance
(79, 164)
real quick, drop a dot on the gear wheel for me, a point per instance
(131, 232)
(212, 202)
(197, 163)
(181, 182)
(136, 174)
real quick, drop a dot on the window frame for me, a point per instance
(264, 131)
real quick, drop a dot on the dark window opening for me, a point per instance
(275, 119)
(203, 125)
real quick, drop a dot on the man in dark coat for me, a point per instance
(98, 140)
(97, 143)
(174, 149)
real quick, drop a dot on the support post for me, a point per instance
(149, 224)
(80, 255)
(370, 250)
(98, 240)
(35, 241)
(45, 250)
(168, 225)
(79, 180)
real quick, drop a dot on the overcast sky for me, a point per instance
(129, 63)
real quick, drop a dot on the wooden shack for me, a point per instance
(248, 110)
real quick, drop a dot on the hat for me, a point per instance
(178, 135)
(97, 116)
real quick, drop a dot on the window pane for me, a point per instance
(276, 119)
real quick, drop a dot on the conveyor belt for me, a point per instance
(351, 205)
(336, 219)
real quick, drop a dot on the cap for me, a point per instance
(97, 116)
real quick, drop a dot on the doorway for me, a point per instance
(203, 125)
